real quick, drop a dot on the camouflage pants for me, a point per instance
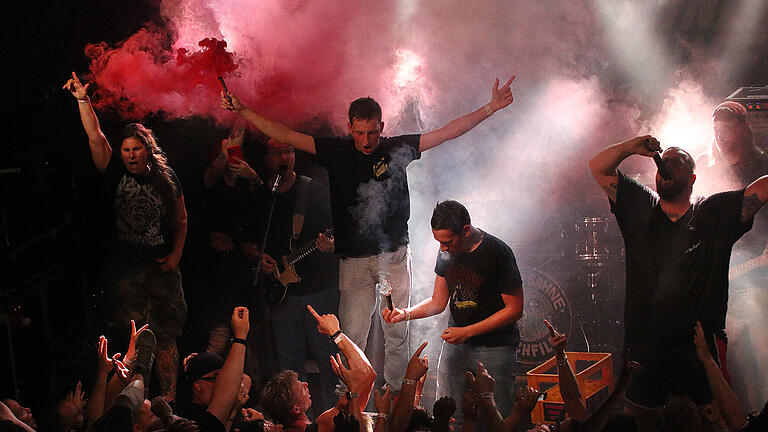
(146, 294)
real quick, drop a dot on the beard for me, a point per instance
(672, 190)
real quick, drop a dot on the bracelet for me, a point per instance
(488, 110)
(235, 340)
(85, 100)
(337, 339)
(351, 395)
(334, 336)
(382, 416)
(409, 382)
(485, 395)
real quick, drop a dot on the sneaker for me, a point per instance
(146, 344)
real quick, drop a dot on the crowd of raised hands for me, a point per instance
(116, 400)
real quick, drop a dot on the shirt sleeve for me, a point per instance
(509, 273)
(175, 184)
(725, 208)
(328, 149)
(633, 200)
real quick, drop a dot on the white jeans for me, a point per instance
(359, 279)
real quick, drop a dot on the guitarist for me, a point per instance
(293, 328)
(733, 161)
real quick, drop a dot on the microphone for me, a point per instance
(663, 172)
(282, 170)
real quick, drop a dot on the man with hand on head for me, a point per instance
(370, 205)
(478, 274)
(677, 252)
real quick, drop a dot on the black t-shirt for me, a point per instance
(369, 193)
(318, 270)
(209, 423)
(142, 209)
(677, 272)
(476, 281)
(228, 209)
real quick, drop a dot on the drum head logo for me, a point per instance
(544, 299)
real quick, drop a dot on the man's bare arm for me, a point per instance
(500, 98)
(271, 128)
(755, 195)
(603, 165)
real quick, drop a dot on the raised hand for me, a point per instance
(645, 145)
(442, 411)
(232, 103)
(702, 349)
(501, 97)
(78, 90)
(132, 343)
(527, 397)
(556, 339)
(417, 365)
(104, 362)
(382, 401)
(327, 324)
(483, 382)
(240, 322)
(268, 264)
(241, 168)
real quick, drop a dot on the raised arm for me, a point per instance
(231, 374)
(362, 372)
(271, 128)
(603, 165)
(500, 98)
(726, 400)
(100, 148)
(755, 195)
(511, 312)
(427, 308)
(569, 389)
(401, 413)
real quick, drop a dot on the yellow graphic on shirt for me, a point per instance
(380, 168)
(468, 304)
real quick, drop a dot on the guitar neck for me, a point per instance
(746, 267)
(301, 253)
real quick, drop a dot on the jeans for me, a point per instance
(455, 360)
(358, 282)
(294, 329)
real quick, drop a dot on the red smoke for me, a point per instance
(141, 76)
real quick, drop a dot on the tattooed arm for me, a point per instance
(755, 195)
(603, 165)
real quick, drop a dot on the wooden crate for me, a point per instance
(594, 376)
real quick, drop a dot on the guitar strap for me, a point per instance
(300, 206)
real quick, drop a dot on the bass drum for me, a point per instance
(544, 299)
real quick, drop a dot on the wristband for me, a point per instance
(83, 101)
(382, 416)
(351, 395)
(235, 340)
(334, 336)
(409, 382)
(488, 110)
(563, 361)
(485, 395)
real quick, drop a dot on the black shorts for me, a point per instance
(674, 371)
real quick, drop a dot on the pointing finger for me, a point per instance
(312, 311)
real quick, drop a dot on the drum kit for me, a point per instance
(574, 290)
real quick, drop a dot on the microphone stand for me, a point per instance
(266, 356)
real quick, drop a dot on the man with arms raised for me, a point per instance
(677, 252)
(478, 273)
(370, 206)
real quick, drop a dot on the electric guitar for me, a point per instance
(748, 266)
(277, 286)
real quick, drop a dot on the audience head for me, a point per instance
(201, 371)
(284, 398)
(681, 414)
(421, 420)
